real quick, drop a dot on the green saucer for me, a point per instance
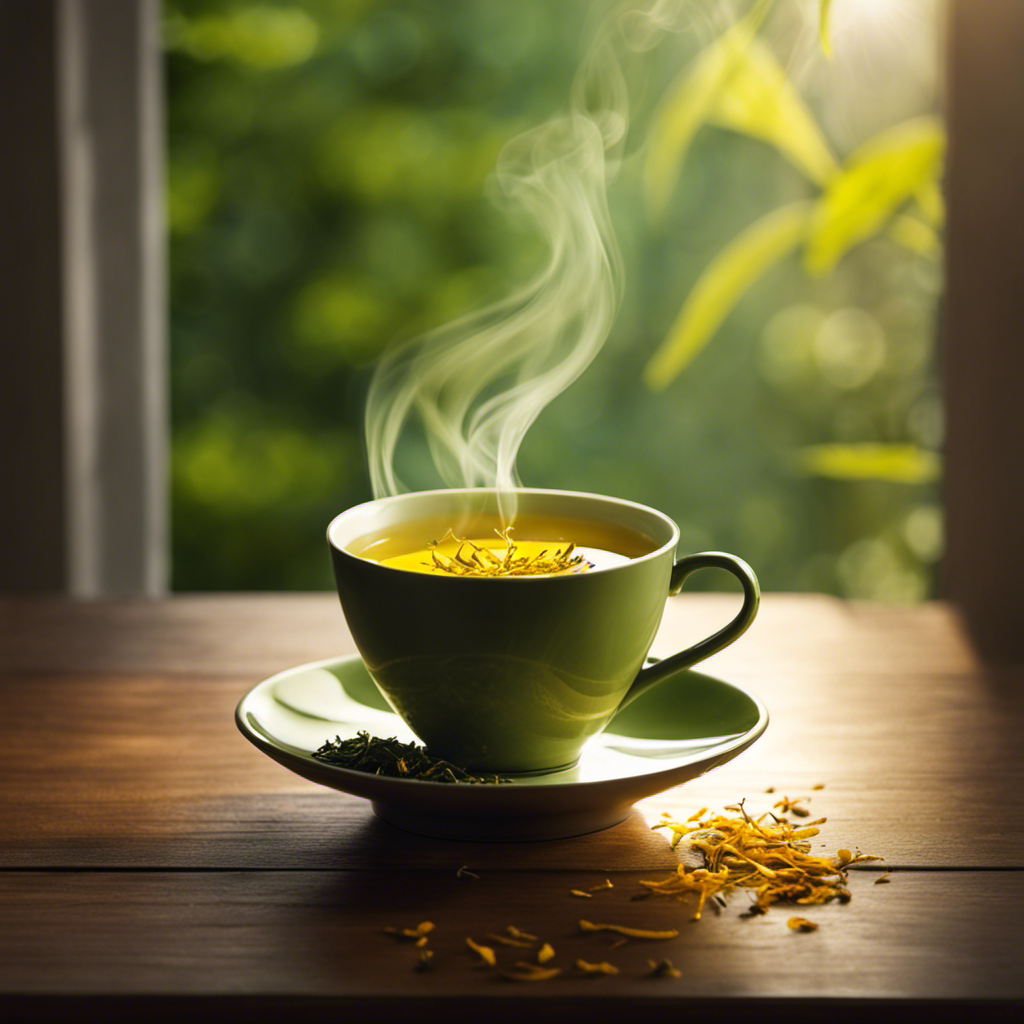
(689, 724)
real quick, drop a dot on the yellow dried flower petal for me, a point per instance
(531, 972)
(792, 806)
(801, 924)
(594, 969)
(633, 933)
(504, 940)
(485, 953)
(768, 854)
(664, 969)
(806, 833)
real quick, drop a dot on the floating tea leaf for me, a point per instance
(472, 559)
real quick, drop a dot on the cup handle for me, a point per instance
(659, 670)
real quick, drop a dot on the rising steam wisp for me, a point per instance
(477, 384)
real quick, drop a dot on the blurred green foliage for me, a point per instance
(328, 162)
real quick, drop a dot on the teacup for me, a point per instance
(514, 674)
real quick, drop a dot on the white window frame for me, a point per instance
(116, 456)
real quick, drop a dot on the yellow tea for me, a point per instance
(502, 556)
(535, 546)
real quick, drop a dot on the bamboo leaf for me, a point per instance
(722, 284)
(894, 463)
(916, 235)
(929, 198)
(877, 180)
(825, 20)
(760, 101)
(688, 103)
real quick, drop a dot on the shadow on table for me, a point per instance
(629, 846)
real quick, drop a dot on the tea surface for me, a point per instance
(575, 545)
(459, 551)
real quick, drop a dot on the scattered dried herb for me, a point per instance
(366, 753)
(485, 953)
(531, 972)
(464, 872)
(504, 940)
(769, 856)
(514, 937)
(632, 933)
(772, 858)
(801, 924)
(417, 934)
(473, 560)
(664, 969)
(592, 970)
(789, 806)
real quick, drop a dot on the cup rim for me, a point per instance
(622, 503)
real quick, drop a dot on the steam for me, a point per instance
(477, 384)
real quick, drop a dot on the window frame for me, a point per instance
(85, 396)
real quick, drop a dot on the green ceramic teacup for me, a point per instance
(514, 674)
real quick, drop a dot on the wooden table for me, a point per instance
(155, 864)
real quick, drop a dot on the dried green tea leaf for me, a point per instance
(366, 753)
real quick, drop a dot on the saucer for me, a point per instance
(681, 728)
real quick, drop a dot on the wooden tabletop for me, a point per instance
(154, 863)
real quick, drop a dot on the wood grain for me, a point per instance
(319, 933)
(154, 858)
(254, 635)
(143, 770)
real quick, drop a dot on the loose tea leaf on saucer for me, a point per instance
(390, 757)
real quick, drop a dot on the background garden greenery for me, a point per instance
(770, 380)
